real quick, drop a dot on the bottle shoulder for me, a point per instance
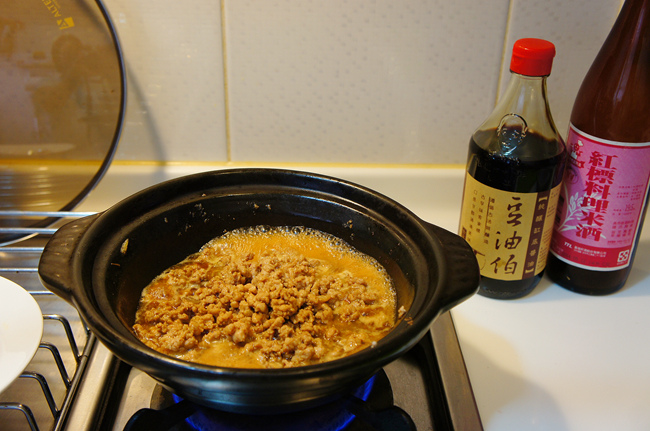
(614, 98)
(529, 147)
(521, 124)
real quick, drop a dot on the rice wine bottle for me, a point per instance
(605, 194)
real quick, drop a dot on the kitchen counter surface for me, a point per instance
(554, 360)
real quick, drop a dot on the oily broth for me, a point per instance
(354, 277)
(334, 254)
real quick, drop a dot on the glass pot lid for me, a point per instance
(62, 103)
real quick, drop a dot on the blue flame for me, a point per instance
(332, 417)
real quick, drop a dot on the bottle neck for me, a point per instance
(525, 96)
(632, 26)
(634, 13)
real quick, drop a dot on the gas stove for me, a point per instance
(426, 389)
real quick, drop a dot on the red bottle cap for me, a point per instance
(532, 57)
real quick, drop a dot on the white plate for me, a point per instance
(21, 329)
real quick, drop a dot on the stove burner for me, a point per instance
(370, 407)
(330, 417)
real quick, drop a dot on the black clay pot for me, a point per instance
(101, 263)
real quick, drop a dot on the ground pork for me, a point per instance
(260, 298)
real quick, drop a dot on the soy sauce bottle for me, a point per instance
(514, 170)
(603, 203)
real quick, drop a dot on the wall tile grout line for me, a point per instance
(226, 101)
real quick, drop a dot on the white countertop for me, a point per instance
(554, 360)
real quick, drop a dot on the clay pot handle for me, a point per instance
(55, 267)
(462, 274)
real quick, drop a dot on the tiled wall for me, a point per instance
(334, 81)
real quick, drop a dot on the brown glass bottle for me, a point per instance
(514, 166)
(613, 104)
(538, 168)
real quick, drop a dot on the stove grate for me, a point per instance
(44, 393)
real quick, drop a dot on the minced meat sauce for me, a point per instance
(268, 298)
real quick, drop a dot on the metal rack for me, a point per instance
(45, 392)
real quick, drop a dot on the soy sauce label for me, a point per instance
(510, 232)
(601, 203)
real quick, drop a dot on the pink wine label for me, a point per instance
(601, 202)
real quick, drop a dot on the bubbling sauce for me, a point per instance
(265, 297)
